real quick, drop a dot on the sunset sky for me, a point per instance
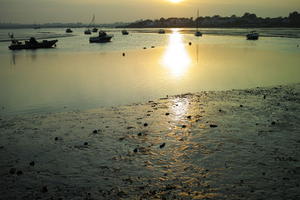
(108, 11)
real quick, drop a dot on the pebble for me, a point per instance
(145, 124)
(139, 134)
(183, 126)
(213, 126)
(85, 143)
(95, 131)
(167, 114)
(123, 54)
(162, 145)
(56, 138)
(44, 189)
(152, 47)
(241, 106)
(19, 173)
(135, 150)
(32, 163)
(12, 170)
(145, 47)
(273, 123)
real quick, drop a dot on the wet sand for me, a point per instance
(238, 144)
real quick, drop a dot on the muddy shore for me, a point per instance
(237, 144)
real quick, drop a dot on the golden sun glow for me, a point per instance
(175, 1)
(176, 57)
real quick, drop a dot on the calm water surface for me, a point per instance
(79, 75)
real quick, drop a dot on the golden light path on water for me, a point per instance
(176, 57)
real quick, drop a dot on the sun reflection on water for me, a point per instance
(176, 57)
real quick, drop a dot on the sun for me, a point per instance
(175, 1)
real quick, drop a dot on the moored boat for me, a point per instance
(101, 38)
(68, 30)
(125, 32)
(32, 43)
(161, 31)
(87, 32)
(94, 30)
(197, 33)
(252, 36)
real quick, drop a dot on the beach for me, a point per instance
(230, 144)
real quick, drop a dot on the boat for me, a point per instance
(161, 31)
(197, 33)
(101, 38)
(68, 30)
(125, 32)
(94, 30)
(87, 32)
(252, 35)
(32, 43)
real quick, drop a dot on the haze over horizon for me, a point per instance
(110, 11)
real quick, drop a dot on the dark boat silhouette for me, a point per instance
(87, 32)
(68, 30)
(125, 32)
(161, 31)
(32, 43)
(102, 38)
(252, 36)
(94, 30)
(197, 33)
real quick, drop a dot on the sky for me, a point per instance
(109, 11)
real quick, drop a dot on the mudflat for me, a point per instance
(237, 144)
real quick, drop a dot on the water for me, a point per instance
(79, 75)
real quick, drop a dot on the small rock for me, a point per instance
(95, 131)
(190, 43)
(183, 126)
(12, 170)
(139, 134)
(85, 143)
(135, 150)
(213, 126)
(189, 117)
(56, 138)
(265, 96)
(123, 54)
(145, 124)
(32, 163)
(162, 145)
(167, 114)
(145, 48)
(273, 123)
(241, 106)
(45, 189)
(19, 173)
(152, 47)
(122, 194)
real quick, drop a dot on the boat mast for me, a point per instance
(197, 20)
